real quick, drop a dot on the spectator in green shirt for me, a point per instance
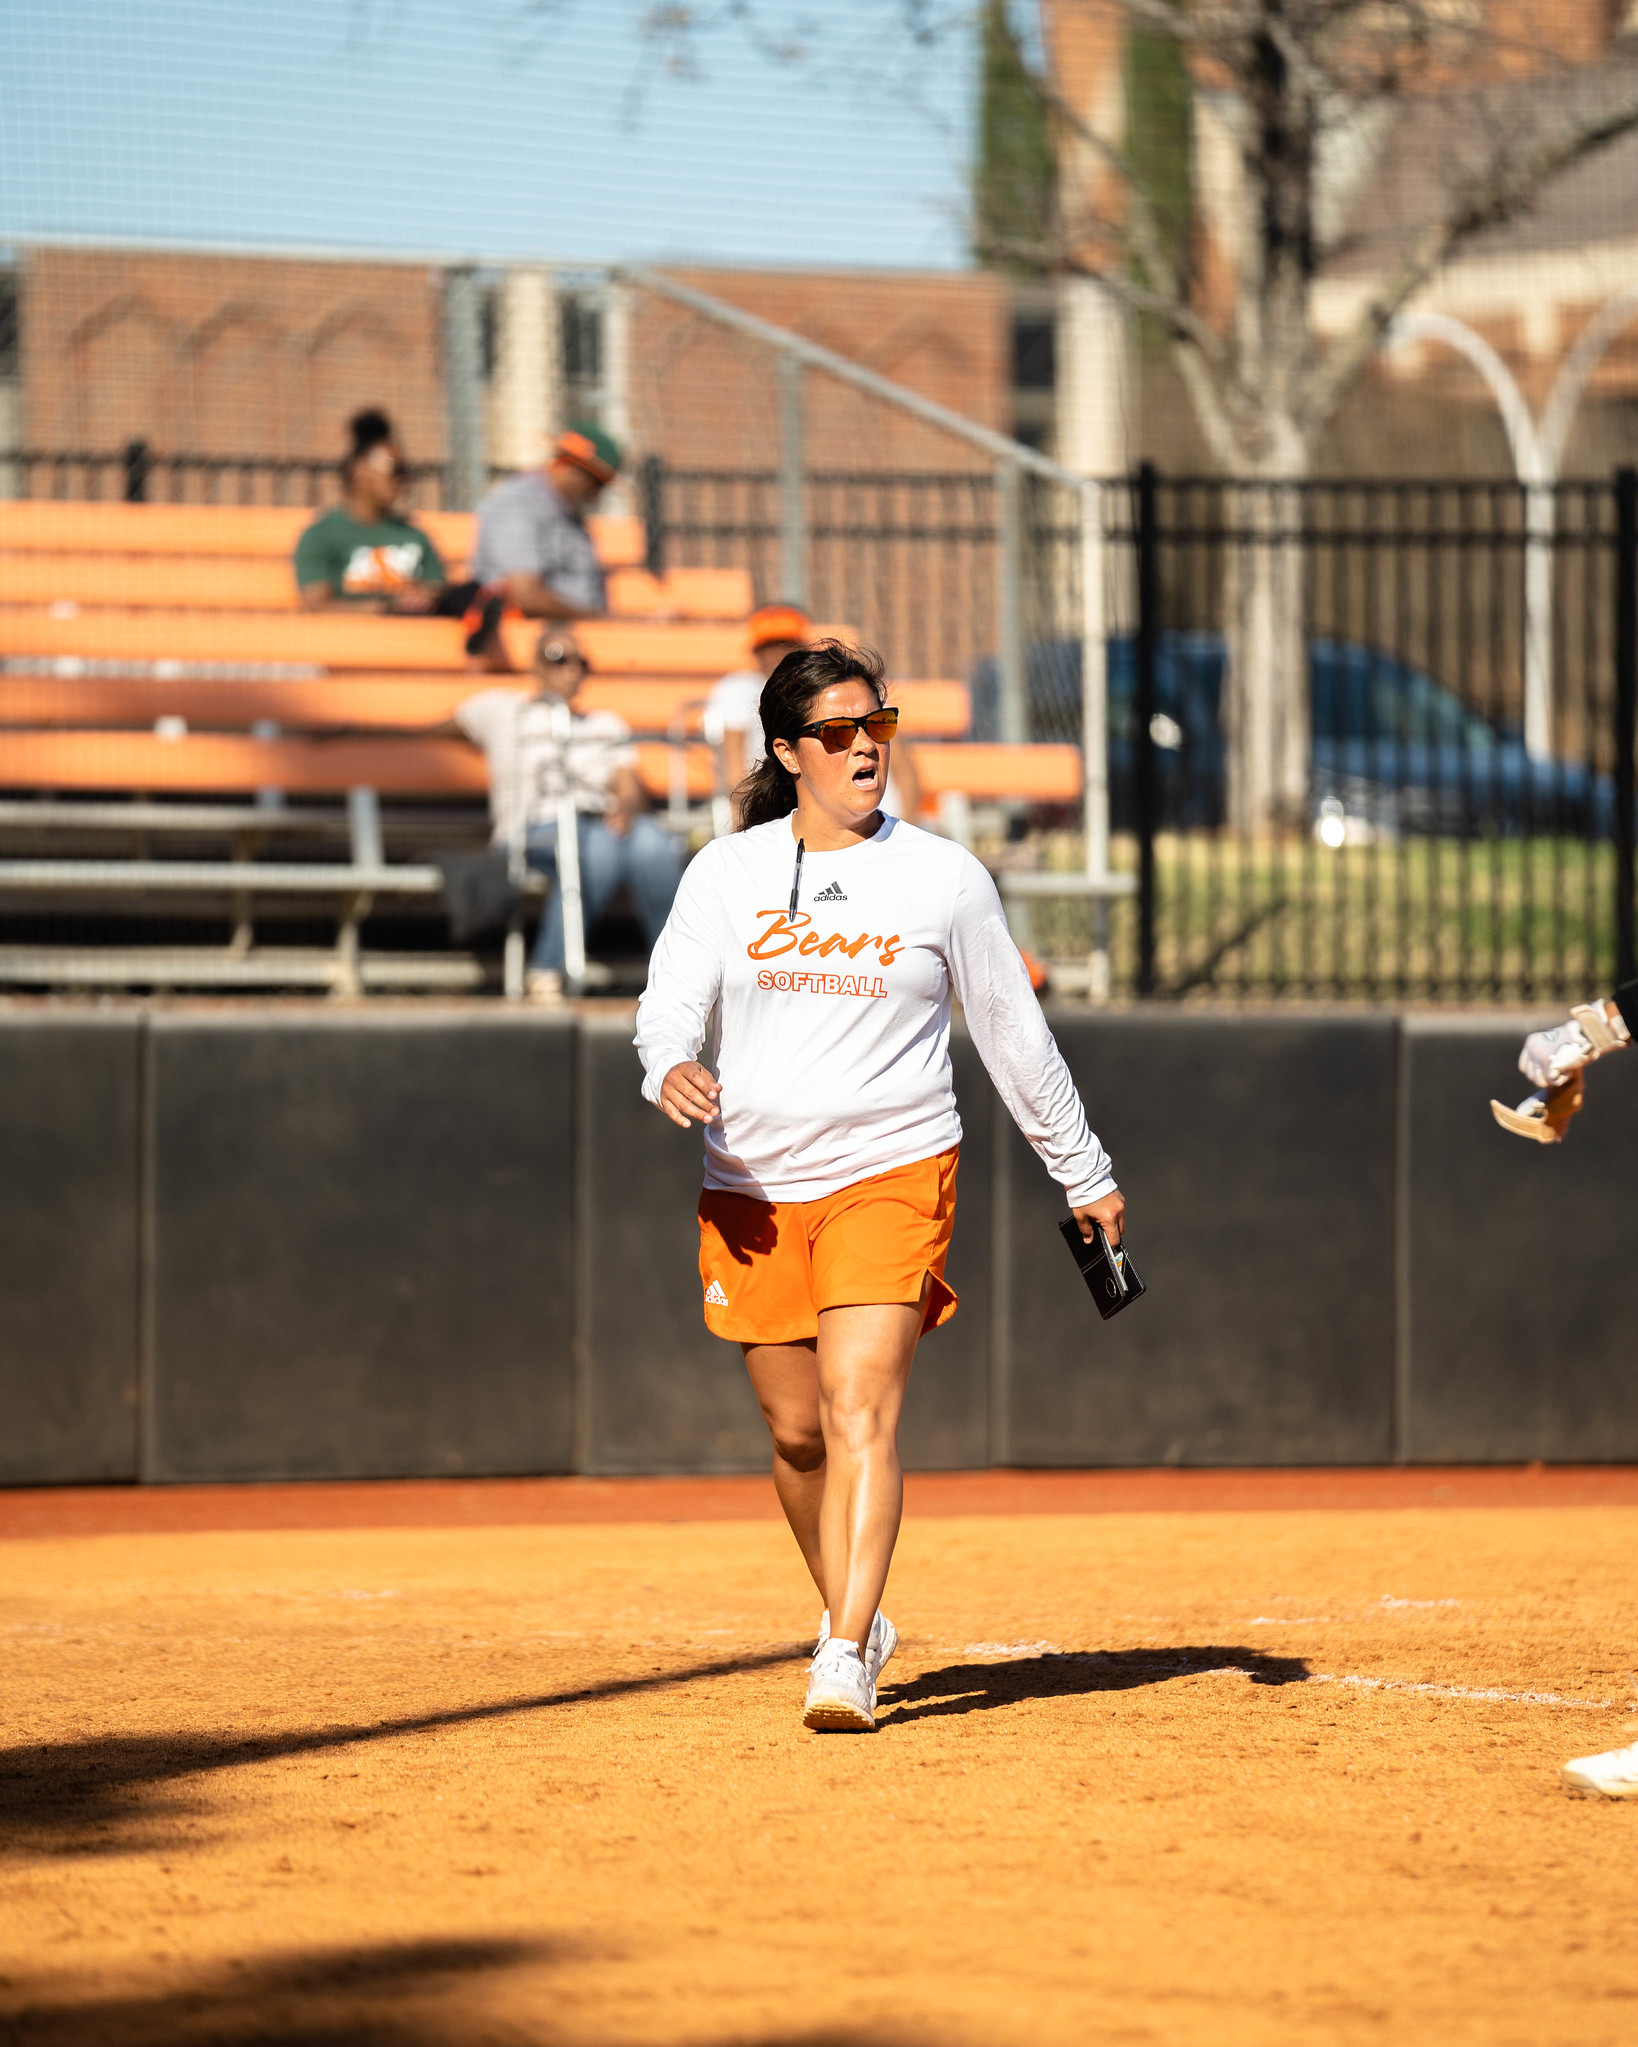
(364, 555)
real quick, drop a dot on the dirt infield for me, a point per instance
(1188, 1776)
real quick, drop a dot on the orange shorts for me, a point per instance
(769, 1267)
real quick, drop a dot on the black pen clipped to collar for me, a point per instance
(796, 879)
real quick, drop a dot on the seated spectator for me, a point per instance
(733, 717)
(733, 711)
(532, 538)
(528, 763)
(364, 555)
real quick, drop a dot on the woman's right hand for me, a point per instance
(689, 1090)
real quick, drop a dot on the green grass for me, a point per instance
(1440, 920)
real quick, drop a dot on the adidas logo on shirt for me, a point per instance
(833, 894)
(715, 1295)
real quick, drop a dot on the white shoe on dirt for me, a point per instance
(841, 1699)
(884, 1639)
(879, 1647)
(1612, 1775)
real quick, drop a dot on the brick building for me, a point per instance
(264, 357)
(707, 398)
(218, 355)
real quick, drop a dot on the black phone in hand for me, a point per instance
(1111, 1277)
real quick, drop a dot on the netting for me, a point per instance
(226, 232)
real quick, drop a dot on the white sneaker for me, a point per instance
(1615, 1774)
(882, 1640)
(841, 1699)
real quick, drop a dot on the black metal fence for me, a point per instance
(139, 474)
(1441, 678)
(908, 561)
(1366, 740)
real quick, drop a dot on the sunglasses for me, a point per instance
(554, 653)
(836, 735)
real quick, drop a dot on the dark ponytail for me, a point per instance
(769, 790)
(366, 430)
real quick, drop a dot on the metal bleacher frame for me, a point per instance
(352, 886)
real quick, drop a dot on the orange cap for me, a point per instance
(778, 622)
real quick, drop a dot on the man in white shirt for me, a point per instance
(530, 765)
(733, 720)
(733, 716)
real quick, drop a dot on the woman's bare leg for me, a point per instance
(864, 1361)
(786, 1379)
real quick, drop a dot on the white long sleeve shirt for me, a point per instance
(832, 1039)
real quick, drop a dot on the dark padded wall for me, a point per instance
(946, 1422)
(1523, 1297)
(663, 1394)
(1257, 1156)
(366, 1257)
(363, 1246)
(68, 1248)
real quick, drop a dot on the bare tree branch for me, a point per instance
(1201, 28)
(1502, 192)
(1065, 257)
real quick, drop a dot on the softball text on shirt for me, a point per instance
(831, 1031)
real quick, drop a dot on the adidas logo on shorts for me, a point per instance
(715, 1295)
(833, 894)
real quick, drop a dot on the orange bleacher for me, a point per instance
(398, 764)
(203, 532)
(161, 652)
(128, 614)
(341, 640)
(212, 583)
(384, 702)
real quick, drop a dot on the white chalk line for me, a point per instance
(1486, 1694)
(1395, 1684)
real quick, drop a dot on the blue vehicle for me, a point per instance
(1391, 749)
(1396, 749)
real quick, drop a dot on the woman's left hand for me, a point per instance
(1110, 1211)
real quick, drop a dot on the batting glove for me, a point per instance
(1550, 1057)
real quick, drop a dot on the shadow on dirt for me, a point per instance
(425, 1993)
(393, 1995)
(96, 1796)
(980, 1687)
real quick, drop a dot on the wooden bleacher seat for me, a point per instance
(397, 764)
(251, 583)
(344, 640)
(693, 594)
(931, 710)
(53, 526)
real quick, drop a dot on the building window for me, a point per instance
(582, 331)
(489, 328)
(1034, 364)
(1034, 352)
(10, 347)
(582, 341)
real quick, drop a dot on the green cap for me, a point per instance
(592, 448)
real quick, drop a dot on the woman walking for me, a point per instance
(828, 939)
